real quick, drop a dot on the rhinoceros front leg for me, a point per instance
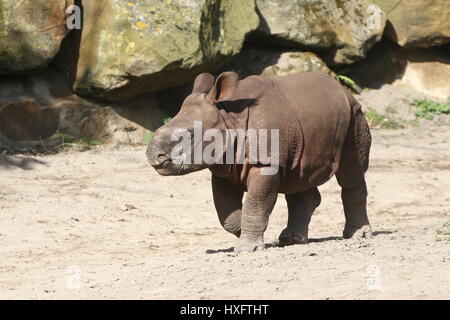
(301, 206)
(228, 203)
(262, 192)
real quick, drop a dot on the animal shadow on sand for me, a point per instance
(24, 163)
(311, 240)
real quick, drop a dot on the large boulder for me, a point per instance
(39, 106)
(269, 61)
(131, 47)
(425, 70)
(418, 23)
(345, 29)
(31, 33)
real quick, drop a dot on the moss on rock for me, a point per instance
(132, 47)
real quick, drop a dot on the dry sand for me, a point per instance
(103, 224)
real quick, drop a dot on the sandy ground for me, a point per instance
(102, 224)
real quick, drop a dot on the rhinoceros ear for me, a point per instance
(224, 87)
(203, 83)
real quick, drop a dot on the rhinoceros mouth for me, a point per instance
(167, 167)
(166, 172)
(162, 163)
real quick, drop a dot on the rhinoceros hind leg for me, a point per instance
(300, 209)
(354, 200)
(350, 175)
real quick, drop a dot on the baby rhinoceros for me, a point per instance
(319, 131)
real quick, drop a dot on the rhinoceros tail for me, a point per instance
(363, 139)
(361, 133)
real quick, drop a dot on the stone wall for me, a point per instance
(131, 63)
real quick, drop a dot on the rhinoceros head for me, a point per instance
(199, 113)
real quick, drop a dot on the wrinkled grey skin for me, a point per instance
(323, 132)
